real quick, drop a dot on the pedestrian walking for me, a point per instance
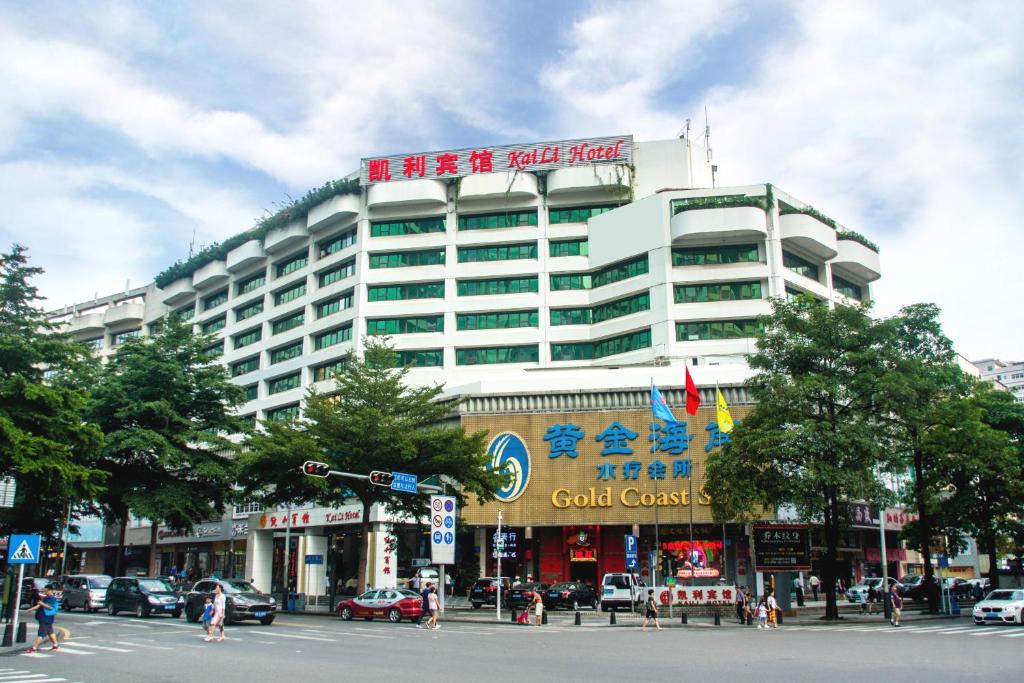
(741, 604)
(208, 617)
(46, 613)
(870, 599)
(815, 585)
(435, 607)
(897, 606)
(798, 585)
(425, 612)
(748, 606)
(762, 613)
(415, 583)
(773, 606)
(652, 611)
(538, 606)
(219, 609)
(977, 592)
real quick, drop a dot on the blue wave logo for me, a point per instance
(509, 454)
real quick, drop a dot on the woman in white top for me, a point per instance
(219, 610)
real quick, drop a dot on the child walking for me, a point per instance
(208, 618)
(762, 613)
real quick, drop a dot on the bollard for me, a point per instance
(544, 617)
(513, 610)
(578, 620)
(778, 616)
(611, 618)
(683, 619)
(21, 633)
(718, 619)
(8, 635)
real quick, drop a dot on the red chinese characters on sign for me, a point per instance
(481, 161)
(447, 163)
(415, 166)
(389, 548)
(379, 170)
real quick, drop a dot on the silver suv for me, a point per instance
(88, 591)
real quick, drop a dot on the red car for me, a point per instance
(394, 604)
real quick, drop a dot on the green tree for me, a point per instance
(811, 441)
(45, 443)
(372, 421)
(165, 405)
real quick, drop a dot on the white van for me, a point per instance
(621, 591)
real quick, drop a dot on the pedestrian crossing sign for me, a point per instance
(23, 549)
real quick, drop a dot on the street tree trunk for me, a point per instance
(924, 531)
(829, 561)
(121, 536)
(364, 545)
(153, 532)
(993, 560)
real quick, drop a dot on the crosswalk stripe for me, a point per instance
(72, 651)
(152, 647)
(100, 647)
(38, 680)
(22, 676)
(1012, 635)
(985, 633)
(957, 630)
(299, 637)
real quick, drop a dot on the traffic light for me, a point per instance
(312, 468)
(381, 478)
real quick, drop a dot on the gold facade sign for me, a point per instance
(598, 467)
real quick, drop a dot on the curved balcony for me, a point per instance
(808, 233)
(424, 192)
(125, 314)
(507, 185)
(86, 324)
(738, 221)
(336, 209)
(212, 274)
(245, 256)
(858, 260)
(612, 177)
(178, 291)
(288, 237)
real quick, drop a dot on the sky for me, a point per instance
(129, 131)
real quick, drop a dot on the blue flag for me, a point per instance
(659, 407)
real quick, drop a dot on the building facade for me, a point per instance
(1010, 375)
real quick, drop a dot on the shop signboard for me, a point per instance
(314, 559)
(506, 545)
(695, 595)
(442, 529)
(782, 548)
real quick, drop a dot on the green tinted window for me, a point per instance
(426, 358)
(576, 214)
(800, 265)
(844, 286)
(292, 264)
(433, 323)
(504, 219)
(283, 413)
(211, 326)
(279, 355)
(332, 337)
(215, 300)
(496, 321)
(252, 283)
(339, 272)
(497, 354)
(512, 285)
(571, 316)
(251, 392)
(186, 313)
(718, 291)
(336, 243)
(415, 226)
(404, 259)
(418, 290)
(620, 271)
(611, 346)
(716, 329)
(564, 281)
(290, 294)
(215, 350)
(290, 323)
(332, 306)
(568, 248)
(498, 252)
(249, 310)
(244, 366)
(247, 338)
(713, 256)
(329, 370)
(276, 386)
(572, 351)
(122, 337)
(621, 307)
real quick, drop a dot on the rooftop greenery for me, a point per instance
(725, 201)
(840, 234)
(857, 237)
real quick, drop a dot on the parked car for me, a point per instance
(32, 590)
(485, 591)
(521, 595)
(571, 595)
(87, 591)
(914, 587)
(393, 604)
(242, 601)
(961, 588)
(145, 596)
(621, 590)
(859, 592)
(1001, 606)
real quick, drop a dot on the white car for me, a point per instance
(1001, 606)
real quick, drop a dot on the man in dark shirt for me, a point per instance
(425, 594)
(46, 612)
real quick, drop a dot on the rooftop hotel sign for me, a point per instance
(534, 156)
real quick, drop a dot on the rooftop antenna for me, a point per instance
(192, 244)
(707, 144)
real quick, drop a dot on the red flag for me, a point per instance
(692, 396)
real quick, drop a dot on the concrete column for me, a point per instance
(383, 551)
(315, 581)
(259, 557)
(480, 535)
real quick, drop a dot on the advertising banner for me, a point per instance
(442, 529)
(782, 548)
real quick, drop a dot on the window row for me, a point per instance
(502, 219)
(406, 325)
(321, 340)
(576, 214)
(799, 265)
(497, 320)
(615, 272)
(600, 313)
(612, 346)
(717, 291)
(560, 248)
(713, 256)
(717, 329)
(404, 259)
(493, 355)
(498, 252)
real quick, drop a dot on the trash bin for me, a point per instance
(293, 598)
(954, 604)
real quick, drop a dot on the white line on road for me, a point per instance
(295, 635)
(39, 680)
(154, 647)
(72, 651)
(985, 633)
(957, 630)
(1011, 635)
(23, 676)
(100, 647)
(367, 635)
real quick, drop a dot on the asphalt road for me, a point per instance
(102, 649)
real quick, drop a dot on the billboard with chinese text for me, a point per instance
(782, 548)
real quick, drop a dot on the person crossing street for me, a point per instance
(46, 613)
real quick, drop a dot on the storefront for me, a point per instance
(581, 481)
(211, 549)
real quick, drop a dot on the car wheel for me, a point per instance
(176, 614)
(140, 611)
(190, 616)
(111, 610)
(267, 621)
(394, 615)
(604, 608)
(593, 603)
(477, 605)
(575, 605)
(346, 613)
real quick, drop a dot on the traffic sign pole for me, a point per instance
(17, 600)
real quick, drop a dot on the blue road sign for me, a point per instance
(406, 483)
(314, 559)
(23, 549)
(630, 545)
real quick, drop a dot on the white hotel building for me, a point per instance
(495, 283)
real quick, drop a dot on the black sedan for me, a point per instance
(521, 595)
(33, 589)
(571, 595)
(243, 601)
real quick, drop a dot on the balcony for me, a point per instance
(86, 324)
(741, 221)
(808, 233)
(611, 177)
(858, 260)
(245, 256)
(125, 314)
(288, 237)
(511, 186)
(178, 291)
(212, 274)
(343, 207)
(424, 192)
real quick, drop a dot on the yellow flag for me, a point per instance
(722, 409)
